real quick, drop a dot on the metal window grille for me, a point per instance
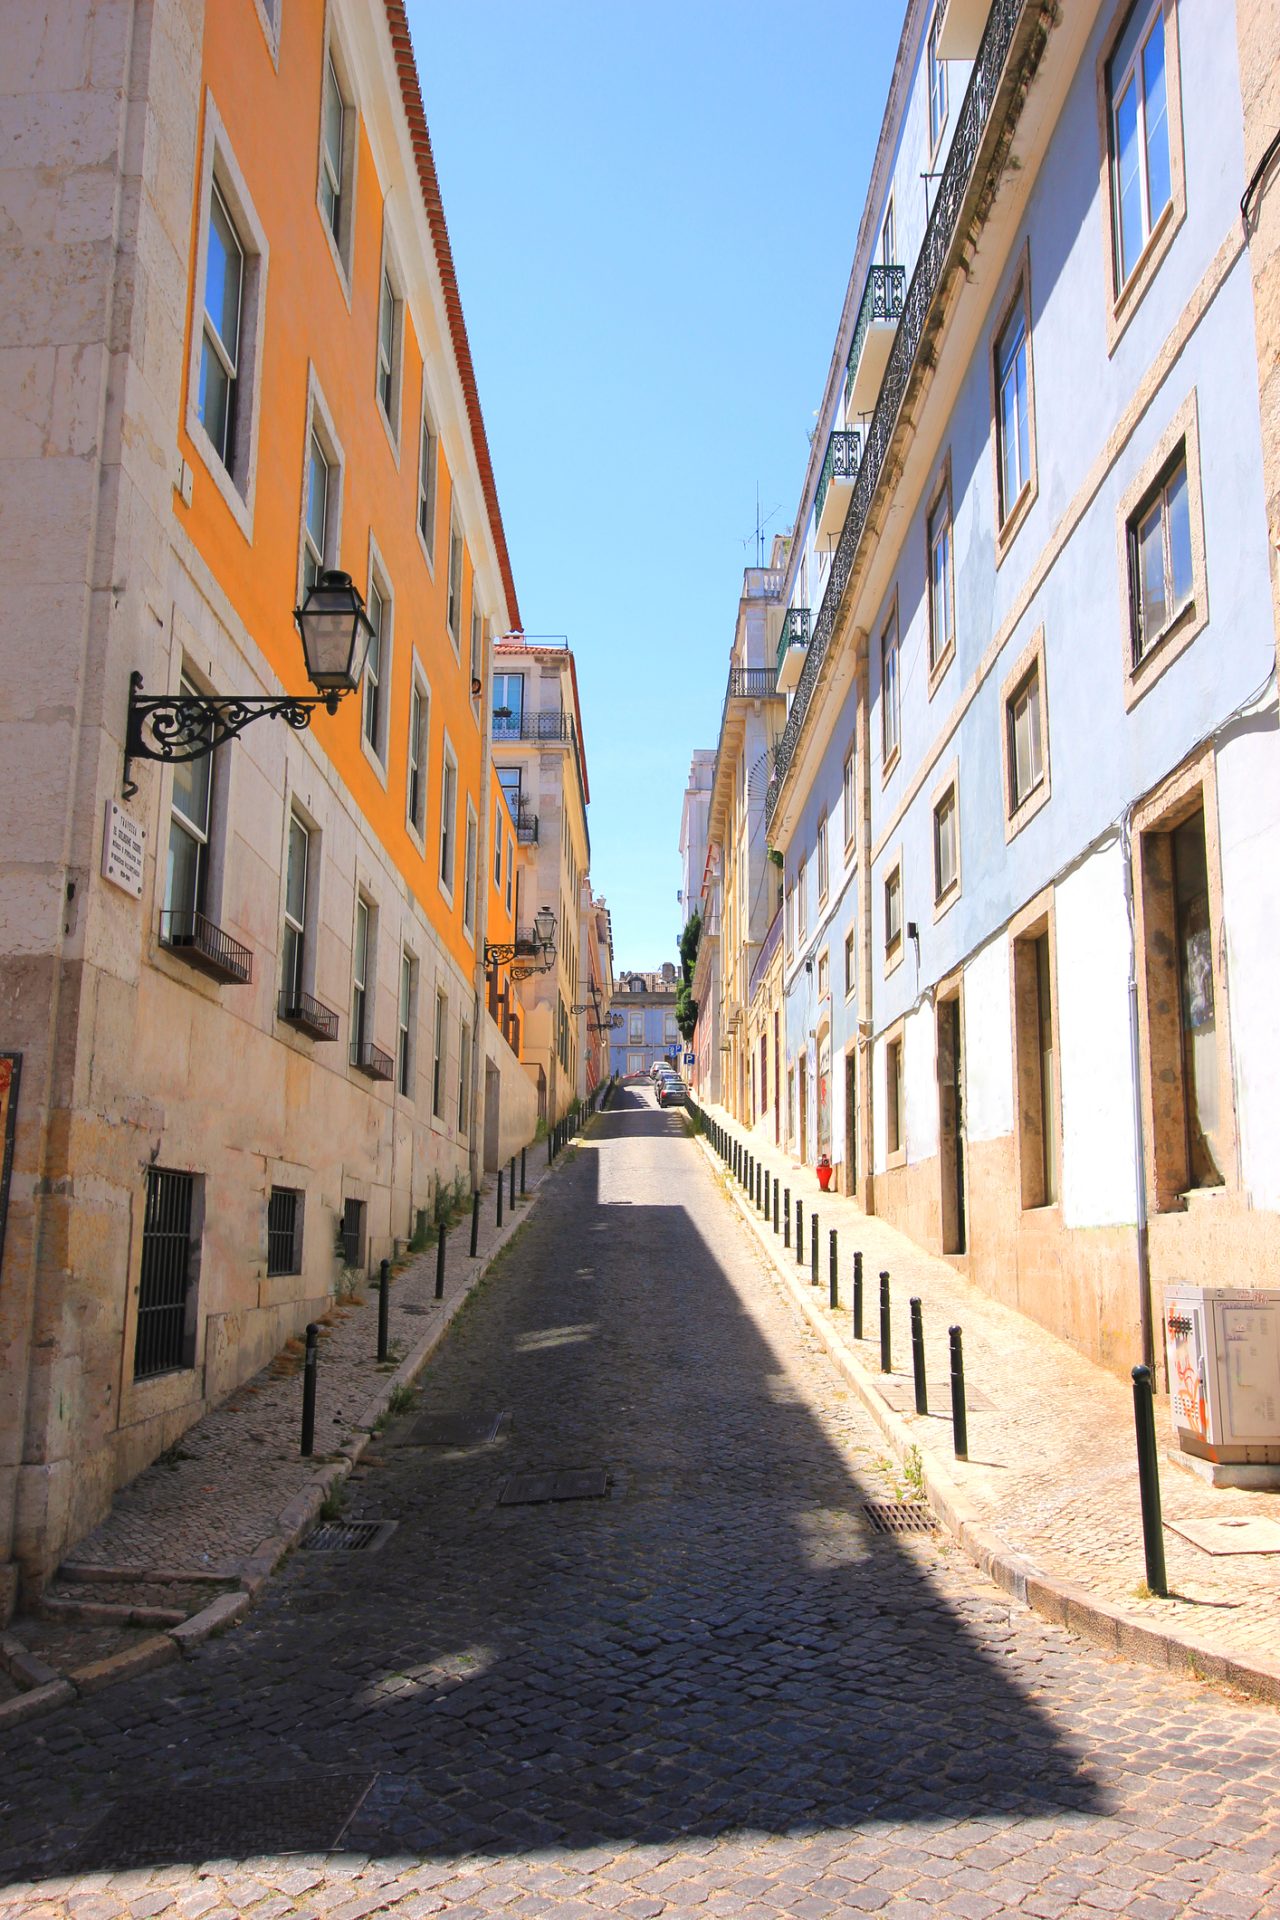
(284, 1231)
(165, 1279)
(353, 1233)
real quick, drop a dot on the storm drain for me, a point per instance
(350, 1536)
(568, 1483)
(454, 1430)
(306, 1813)
(900, 1516)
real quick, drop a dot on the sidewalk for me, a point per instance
(188, 1544)
(1047, 1501)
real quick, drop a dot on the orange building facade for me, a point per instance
(245, 993)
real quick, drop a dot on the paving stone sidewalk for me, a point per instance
(1052, 1467)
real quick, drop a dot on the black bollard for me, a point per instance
(835, 1273)
(511, 1186)
(886, 1340)
(475, 1222)
(857, 1294)
(384, 1307)
(440, 1262)
(1144, 1420)
(309, 1392)
(813, 1250)
(799, 1231)
(775, 1202)
(959, 1423)
(499, 1196)
(786, 1216)
(550, 1150)
(523, 1188)
(917, 1357)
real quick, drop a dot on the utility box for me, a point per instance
(1223, 1346)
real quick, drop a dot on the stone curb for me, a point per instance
(292, 1524)
(1054, 1598)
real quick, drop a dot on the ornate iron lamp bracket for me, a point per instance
(182, 727)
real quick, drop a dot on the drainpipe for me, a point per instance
(484, 866)
(1135, 1065)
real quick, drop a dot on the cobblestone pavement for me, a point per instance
(1052, 1464)
(716, 1691)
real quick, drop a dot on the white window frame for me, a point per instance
(439, 1053)
(453, 587)
(428, 501)
(946, 889)
(406, 1021)
(236, 485)
(363, 973)
(319, 423)
(1018, 810)
(301, 929)
(419, 755)
(389, 373)
(379, 678)
(342, 243)
(447, 843)
(477, 652)
(890, 692)
(511, 870)
(936, 80)
(824, 861)
(849, 798)
(464, 1079)
(470, 872)
(891, 896)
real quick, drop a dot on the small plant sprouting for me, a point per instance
(913, 1473)
(334, 1501)
(402, 1399)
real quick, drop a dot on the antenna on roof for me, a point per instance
(760, 527)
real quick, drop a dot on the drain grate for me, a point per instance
(454, 1430)
(350, 1536)
(900, 1516)
(565, 1483)
(221, 1820)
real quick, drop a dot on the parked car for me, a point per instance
(672, 1091)
(658, 1068)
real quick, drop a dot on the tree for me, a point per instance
(686, 1005)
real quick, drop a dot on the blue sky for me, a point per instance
(653, 211)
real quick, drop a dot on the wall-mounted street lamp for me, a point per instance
(179, 727)
(536, 955)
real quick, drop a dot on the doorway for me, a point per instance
(804, 1109)
(951, 1125)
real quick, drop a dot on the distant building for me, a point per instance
(647, 1003)
(693, 831)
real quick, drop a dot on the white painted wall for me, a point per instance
(988, 1043)
(920, 1077)
(1093, 964)
(1248, 767)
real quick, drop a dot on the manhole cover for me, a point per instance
(900, 1392)
(900, 1516)
(350, 1536)
(454, 1430)
(567, 1483)
(1230, 1533)
(308, 1813)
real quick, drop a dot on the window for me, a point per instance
(448, 822)
(438, 1054)
(1161, 580)
(1035, 1067)
(824, 975)
(220, 351)
(229, 274)
(338, 125)
(890, 711)
(946, 846)
(464, 1078)
(321, 493)
(670, 1030)
(416, 780)
(635, 1029)
(1014, 443)
(508, 705)
(316, 523)
(353, 1233)
(850, 962)
(802, 905)
(1138, 105)
(893, 1096)
(406, 1011)
(284, 1231)
(428, 450)
(454, 608)
(187, 871)
(165, 1336)
(1026, 761)
(295, 913)
(469, 872)
(390, 351)
(888, 246)
(497, 846)
(824, 875)
(937, 84)
(379, 651)
(941, 584)
(848, 800)
(893, 918)
(360, 955)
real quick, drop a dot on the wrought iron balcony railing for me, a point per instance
(532, 726)
(795, 632)
(312, 1016)
(206, 947)
(372, 1061)
(749, 683)
(844, 450)
(526, 826)
(941, 248)
(881, 301)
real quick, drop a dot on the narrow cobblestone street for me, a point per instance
(714, 1690)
